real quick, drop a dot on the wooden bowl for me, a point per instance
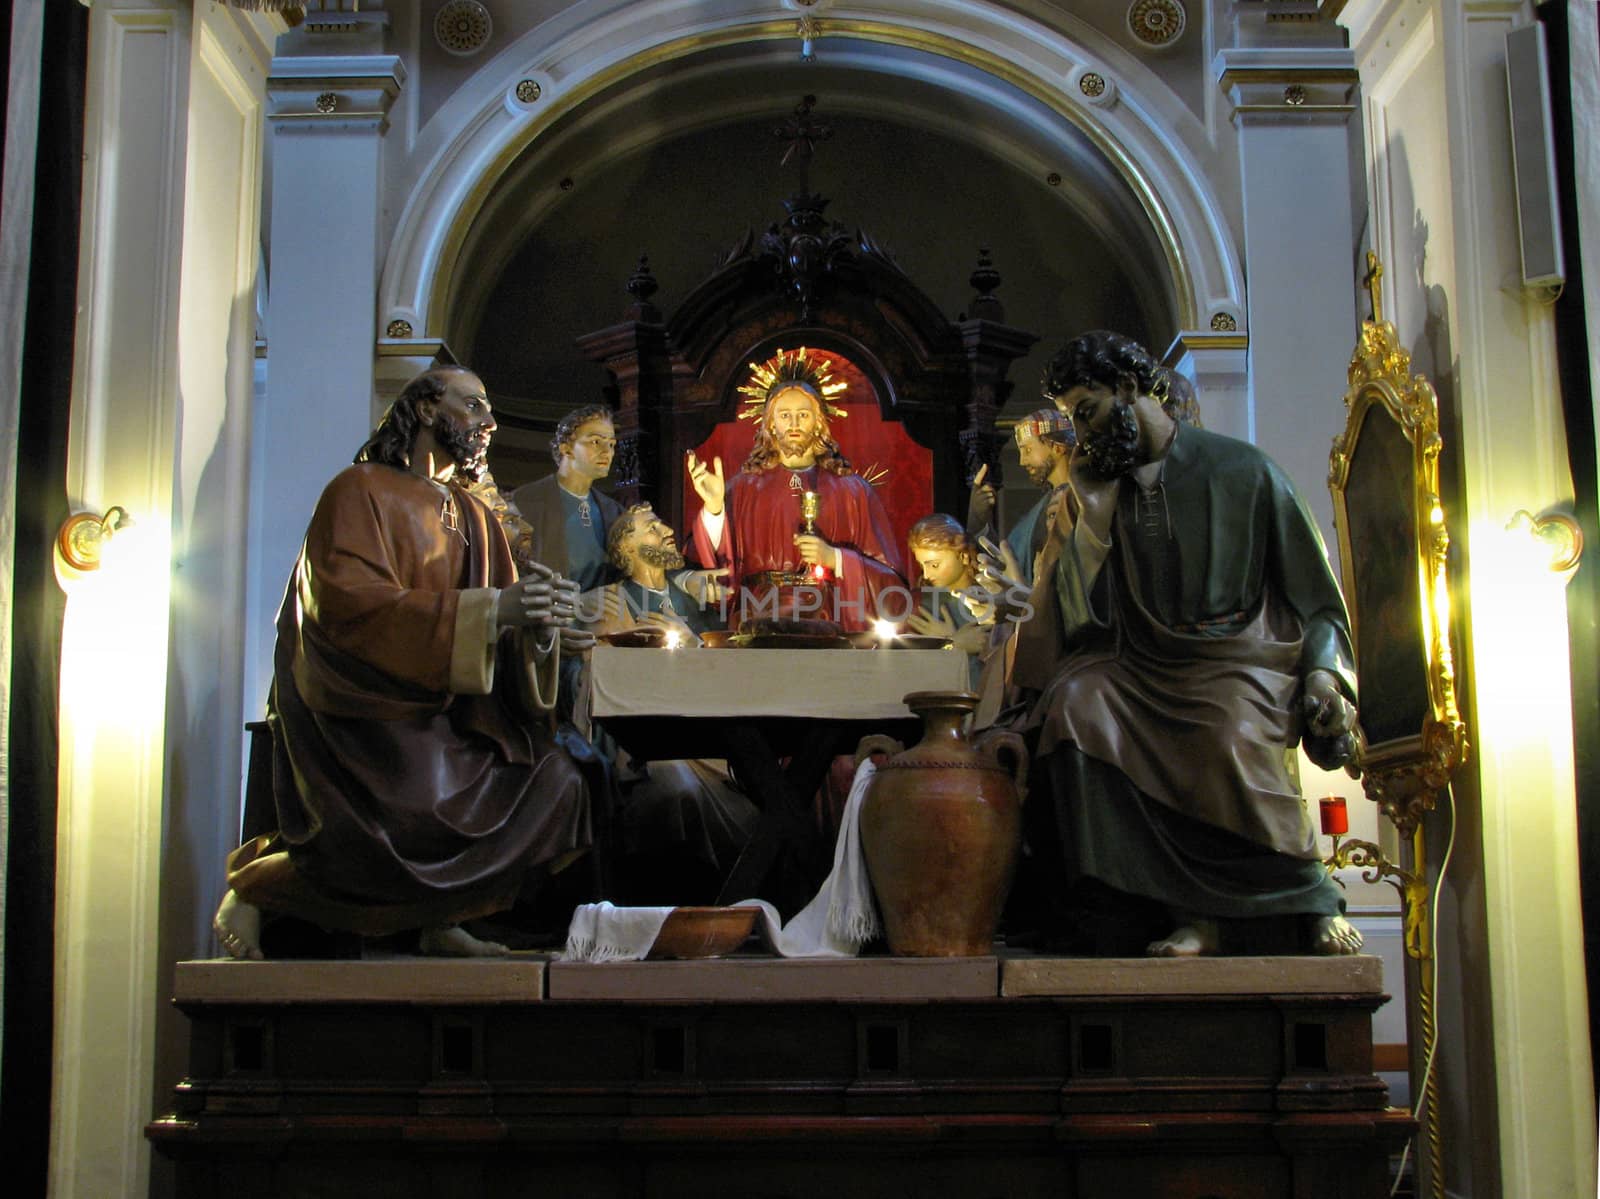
(703, 932)
(636, 638)
(919, 641)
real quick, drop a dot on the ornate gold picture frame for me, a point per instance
(1393, 551)
(1393, 542)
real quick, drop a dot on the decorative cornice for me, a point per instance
(1298, 83)
(1203, 340)
(334, 91)
(415, 347)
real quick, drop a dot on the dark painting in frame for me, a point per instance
(1393, 546)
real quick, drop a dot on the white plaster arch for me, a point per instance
(1026, 137)
(1145, 131)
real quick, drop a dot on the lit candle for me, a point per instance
(887, 630)
(674, 639)
(1335, 819)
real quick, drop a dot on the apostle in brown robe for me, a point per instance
(416, 776)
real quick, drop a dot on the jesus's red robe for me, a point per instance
(764, 508)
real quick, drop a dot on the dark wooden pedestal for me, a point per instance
(1233, 1079)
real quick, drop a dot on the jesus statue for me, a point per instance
(784, 561)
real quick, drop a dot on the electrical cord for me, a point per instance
(1433, 956)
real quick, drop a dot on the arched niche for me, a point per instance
(1002, 82)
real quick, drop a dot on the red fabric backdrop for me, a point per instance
(866, 439)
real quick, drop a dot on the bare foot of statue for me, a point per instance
(454, 942)
(1194, 938)
(238, 927)
(1334, 935)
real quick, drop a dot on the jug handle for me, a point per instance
(875, 743)
(999, 742)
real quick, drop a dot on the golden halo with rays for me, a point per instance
(791, 368)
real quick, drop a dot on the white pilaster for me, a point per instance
(112, 692)
(328, 114)
(1292, 107)
(1216, 361)
(1521, 698)
(113, 680)
(1513, 1013)
(160, 402)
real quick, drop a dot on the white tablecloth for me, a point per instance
(838, 684)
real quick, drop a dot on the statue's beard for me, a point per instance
(469, 452)
(809, 446)
(1039, 473)
(663, 556)
(1114, 451)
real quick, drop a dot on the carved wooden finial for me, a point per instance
(641, 286)
(984, 280)
(1373, 282)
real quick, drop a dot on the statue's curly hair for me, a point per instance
(567, 427)
(942, 532)
(620, 532)
(395, 437)
(1102, 358)
(764, 454)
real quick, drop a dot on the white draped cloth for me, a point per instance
(841, 918)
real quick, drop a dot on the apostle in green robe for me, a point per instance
(1189, 633)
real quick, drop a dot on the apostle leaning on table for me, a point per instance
(681, 822)
(416, 778)
(650, 593)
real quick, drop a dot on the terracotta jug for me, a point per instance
(941, 826)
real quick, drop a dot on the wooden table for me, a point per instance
(780, 717)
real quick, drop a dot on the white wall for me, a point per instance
(149, 686)
(1514, 1058)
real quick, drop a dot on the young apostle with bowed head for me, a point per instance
(948, 562)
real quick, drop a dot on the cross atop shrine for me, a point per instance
(802, 133)
(1373, 282)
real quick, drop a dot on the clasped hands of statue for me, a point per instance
(542, 599)
(712, 487)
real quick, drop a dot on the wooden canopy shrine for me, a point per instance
(805, 281)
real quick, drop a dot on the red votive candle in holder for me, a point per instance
(1335, 819)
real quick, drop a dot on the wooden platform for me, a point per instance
(1010, 1075)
